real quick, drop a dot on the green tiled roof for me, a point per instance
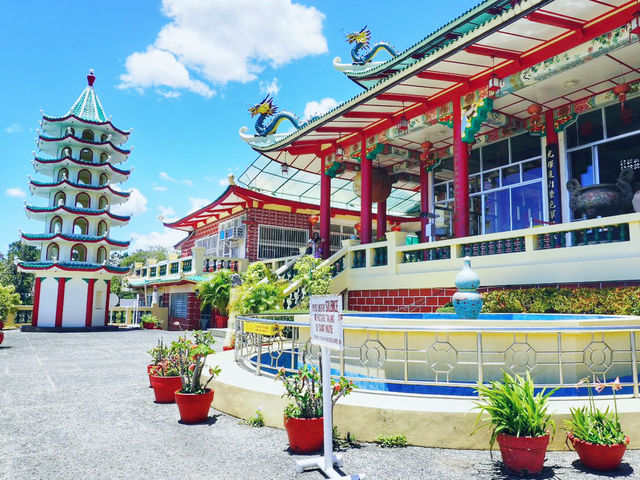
(88, 107)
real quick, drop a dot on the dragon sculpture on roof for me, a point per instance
(361, 53)
(264, 110)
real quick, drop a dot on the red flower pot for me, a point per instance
(149, 326)
(164, 388)
(523, 454)
(305, 434)
(194, 407)
(599, 457)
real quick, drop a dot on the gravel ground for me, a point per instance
(78, 406)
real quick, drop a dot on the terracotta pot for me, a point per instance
(164, 388)
(523, 454)
(305, 434)
(599, 457)
(194, 407)
(148, 326)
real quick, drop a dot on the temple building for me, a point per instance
(78, 153)
(511, 133)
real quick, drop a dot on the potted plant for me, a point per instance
(193, 396)
(303, 417)
(214, 292)
(596, 435)
(149, 322)
(518, 420)
(159, 353)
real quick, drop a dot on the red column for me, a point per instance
(424, 202)
(325, 210)
(106, 303)
(365, 194)
(36, 302)
(89, 310)
(60, 302)
(382, 219)
(460, 175)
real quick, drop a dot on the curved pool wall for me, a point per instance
(441, 355)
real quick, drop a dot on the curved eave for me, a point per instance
(61, 237)
(519, 10)
(70, 267)
(41, 213)
(82, 121)
(45, 165)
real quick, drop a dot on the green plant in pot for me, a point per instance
(215, 292)
(194, 397)
(518, 420)
(597, 436)
(303, 417)
(149, 322)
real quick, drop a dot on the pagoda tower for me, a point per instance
(79, 154)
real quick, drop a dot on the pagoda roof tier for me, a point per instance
(43, 189)
(50, 146)
(38, 238)
(118, 136)
(47, 166)
(71, 267)
(40, 213)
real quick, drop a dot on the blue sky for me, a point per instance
(182, 74)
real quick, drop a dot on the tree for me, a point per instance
(8, 300)
(9, 274)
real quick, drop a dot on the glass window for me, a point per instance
(587, 129)
(497, 214)
(582, 166)
(525, 146)
(495, 155)
(510, 175)
(531, 170)
(616, 155)
(621, 121)
(526, 204)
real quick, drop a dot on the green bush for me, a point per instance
(603, 301)
(391, 441)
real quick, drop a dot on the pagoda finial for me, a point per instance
(91, 77)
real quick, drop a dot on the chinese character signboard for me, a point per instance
(553, 183)
(325, 316)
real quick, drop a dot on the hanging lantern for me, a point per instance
(285, 169)
(621, 91)
(635, 24)
(494, 84)
(534, 110)
(403, 126)
(339, 153)
(426, 150)
(313, 220)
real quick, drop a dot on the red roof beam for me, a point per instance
(445, 77)
(493, 52)
(560, 22)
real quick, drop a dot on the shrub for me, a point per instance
(391, 441)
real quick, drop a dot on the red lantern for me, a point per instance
(313, 220)
(426, 147)
(621, 91)
(534, 110)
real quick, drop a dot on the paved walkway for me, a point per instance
(78, 406)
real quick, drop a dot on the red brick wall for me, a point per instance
(428, 300)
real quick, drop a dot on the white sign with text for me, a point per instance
(325, 316)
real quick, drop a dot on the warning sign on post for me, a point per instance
(325, 315)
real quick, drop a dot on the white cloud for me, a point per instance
(167, 238)
(155, 68)
(222, 41)
(313, 109)
(136, 204)
(15, 192)
(197, 203)
(271, 88)
(166, 211)
(14, 128)
(165, 176)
